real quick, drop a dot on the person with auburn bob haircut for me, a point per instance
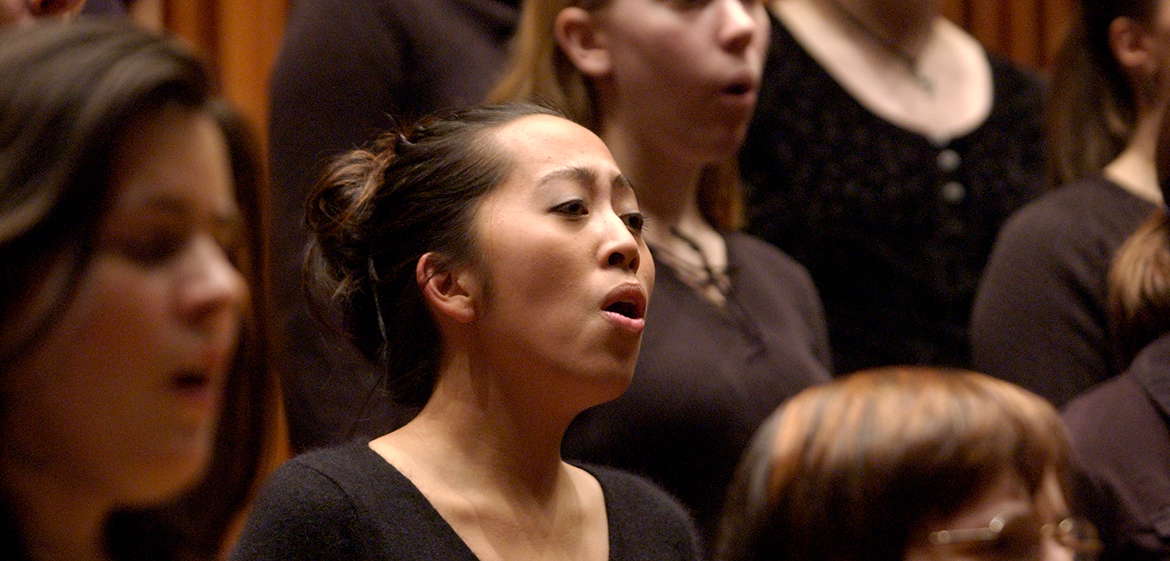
(905, 463)
(737, 326)
(491, 263)
(136, 401)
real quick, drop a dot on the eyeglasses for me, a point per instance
(1017, 536)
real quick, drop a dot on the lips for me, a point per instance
(739, 88)
(191, 381)
(200, 384)
(626, 307)
(740, 84)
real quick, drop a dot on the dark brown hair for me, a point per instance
(854, 469)
(1091, 106)
(68, 90)
(376, 211)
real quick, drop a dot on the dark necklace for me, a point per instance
(719, 281)
(910, 62)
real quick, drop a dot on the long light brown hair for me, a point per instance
(1091, 106)
(539, 71)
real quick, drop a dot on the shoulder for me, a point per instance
(304, 511)
(1066, 218)
(748, 249)
(1017, 99)
(1085, 415)
(645, 522)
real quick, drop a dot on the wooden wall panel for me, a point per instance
(239, 39)
(1027, 31)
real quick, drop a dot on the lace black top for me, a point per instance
(893, 227)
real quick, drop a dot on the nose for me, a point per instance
(212, 287)
(1052, 550)
(621, 248)
(739, 24)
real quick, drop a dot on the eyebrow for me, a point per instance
(173, 206)
(584, 176)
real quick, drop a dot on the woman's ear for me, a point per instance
(450, 291)
(583, 42)
(1132, 46)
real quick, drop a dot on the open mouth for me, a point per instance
(626, 304)
(738, 89)
(189, 381)
(625, 308)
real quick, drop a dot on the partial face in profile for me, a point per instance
(122, 394)
(568, 273)
(1006, 524)
(685, 72)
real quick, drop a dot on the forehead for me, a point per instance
(537, 141)
(176, 153)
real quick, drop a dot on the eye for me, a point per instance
(575, 207)
(635, 221)
(153, 248)
(689, 4)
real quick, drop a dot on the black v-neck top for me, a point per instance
(348, 503)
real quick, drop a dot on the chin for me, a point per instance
(170, 468)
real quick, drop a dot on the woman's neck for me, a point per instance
(488, 460)
(667, 187)
(666, 184)
(934, 79)
(900, 25)
(56, 522)
(480, 428)
(1134, 169)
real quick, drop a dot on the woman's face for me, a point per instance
(120, 397)
(568, 273)
(1022, 537)
(684, 73)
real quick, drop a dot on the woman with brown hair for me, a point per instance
(1040, 318)
(737, 325)
(137, 407)
(905, 463)
(490, 262)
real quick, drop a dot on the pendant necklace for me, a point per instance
(910, 62)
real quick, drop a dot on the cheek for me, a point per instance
(123, 307)
(109, 340)
(655, 60)
(647, 270)
(89, 373)
(529, 274)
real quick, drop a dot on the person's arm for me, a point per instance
(1038, 318)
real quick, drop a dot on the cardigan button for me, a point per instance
(953, 192)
